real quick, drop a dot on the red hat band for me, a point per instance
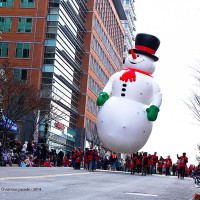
(143, 48)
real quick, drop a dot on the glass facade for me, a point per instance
(129, 26)
(62, 69)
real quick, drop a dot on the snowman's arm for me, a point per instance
(157, 95)
(108, 86)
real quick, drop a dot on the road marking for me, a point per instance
(49, 176)
(141, 194)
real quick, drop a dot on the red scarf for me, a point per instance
(129, 74)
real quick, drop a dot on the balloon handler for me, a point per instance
(124, 122)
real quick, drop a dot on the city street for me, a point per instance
(67, 183)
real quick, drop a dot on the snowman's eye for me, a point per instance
(138, 56)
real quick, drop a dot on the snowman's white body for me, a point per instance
(122, 122)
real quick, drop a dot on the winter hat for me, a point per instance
(147, 45)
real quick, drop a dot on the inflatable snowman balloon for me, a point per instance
(124, 122)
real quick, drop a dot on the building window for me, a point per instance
(25, 25)
(20, 75)
(4, 47)
(27, 3)
(6, 3)
(22, 50)
(88, 103)
(5, 24)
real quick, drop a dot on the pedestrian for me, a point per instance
(113, 160)
(160, 165)
(30, 148)
(168, 163)
(145, 164)
(137, 163)
(151, 164)
(73, 156)
(174, 169)
(96, 158)
(183, 162)
(127, 163)
(60, 158)
(77, 160)
(86, 154)
(91, 159)
(132, 167)
(155, 161)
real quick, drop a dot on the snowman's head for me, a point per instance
(141, 62)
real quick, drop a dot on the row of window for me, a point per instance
(24, 24)
(107, 43)
(94, 86)
(101, 54)
(104, 38)
(23, 3)
(22, 50)
(91, 125)
(92, 106)
(98, 70)
(110, 21)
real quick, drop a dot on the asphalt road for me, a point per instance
(67, 183)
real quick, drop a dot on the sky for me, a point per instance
(177, 24)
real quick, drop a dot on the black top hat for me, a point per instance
(147, 45)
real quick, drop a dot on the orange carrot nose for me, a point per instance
(133, 54)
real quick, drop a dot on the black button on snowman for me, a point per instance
(124, 122)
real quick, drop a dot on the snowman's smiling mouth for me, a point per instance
(136, 62)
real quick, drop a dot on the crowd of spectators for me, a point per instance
(33, 155)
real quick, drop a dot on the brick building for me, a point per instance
(68, 50)
(103, 56)
(23, 26)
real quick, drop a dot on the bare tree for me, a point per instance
(194, 103)
(17, 100)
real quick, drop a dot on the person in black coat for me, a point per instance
(60, 158)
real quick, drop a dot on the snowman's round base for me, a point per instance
(123, 126)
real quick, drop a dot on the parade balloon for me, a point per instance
(124, 122)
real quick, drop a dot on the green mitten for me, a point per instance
(152, 113)
(102, 98)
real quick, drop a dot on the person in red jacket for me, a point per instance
(86, 158)
(137, 162)
(47, 163)
(155, 161)
(144, 163)
(168, 163)
(91, 159)
(73, 156)
(132, 167)
(183, 162)
(178, 167)
(127, 163)
(151, 164)
(160, 165)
